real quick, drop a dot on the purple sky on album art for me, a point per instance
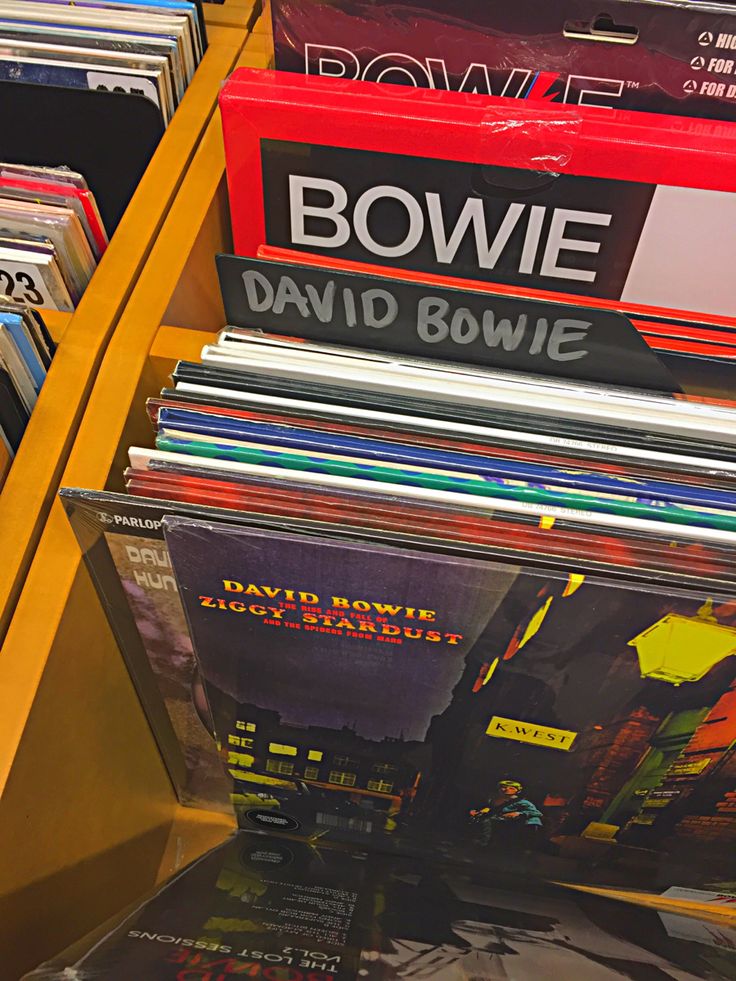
(318, 678)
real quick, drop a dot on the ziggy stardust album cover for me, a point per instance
(469, 708)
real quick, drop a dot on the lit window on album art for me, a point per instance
(280, 766)
(342, 778)
(380, 786)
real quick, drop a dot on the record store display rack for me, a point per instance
(87, 808)
(69, 693)
(31, 483)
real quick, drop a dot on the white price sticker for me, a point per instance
(24, 283)
(110, 82)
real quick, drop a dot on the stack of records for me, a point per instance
(421, 314)
(26, 349)
(51, 235)
(435, 608)
(149, 48)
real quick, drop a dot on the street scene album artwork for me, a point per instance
(434, 701)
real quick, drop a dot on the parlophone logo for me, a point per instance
(106, 519)
(705, 39)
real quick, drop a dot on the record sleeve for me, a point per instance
(476, 388)
(359, 447)
(381, 517)
(44, 341)
(35, 172)
(264, 907)
(26, 347)
(103, 42)
(17, 66)
(126, 17)
(443, 704)
(155, 8)
(6, 456)
(123, 548)
(434, 492)
(122, 542)
(23, 219)
(14, 415)
(639, 54)
(428, 413)
(82, 201)
(635, 502)
(520, 445)
(17, 369)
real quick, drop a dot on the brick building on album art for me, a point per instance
(660, 779)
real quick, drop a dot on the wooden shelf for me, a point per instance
(86, 805)
(232, 13)
(33, 480)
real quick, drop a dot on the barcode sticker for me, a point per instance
(344, 823)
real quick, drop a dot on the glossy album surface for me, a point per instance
(287, 910)
(476, 709)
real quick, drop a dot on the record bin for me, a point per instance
(34, 477)
(88, 815)
(86, 806)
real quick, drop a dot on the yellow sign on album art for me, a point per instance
(529, 732)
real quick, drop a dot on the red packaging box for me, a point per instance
(616, 205)
(653, 55)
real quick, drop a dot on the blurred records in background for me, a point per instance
(26, 349)
(148, 48)
(51, 235)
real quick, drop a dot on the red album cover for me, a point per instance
(30, 188)
(579, 201)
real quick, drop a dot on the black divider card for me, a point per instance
(109, 137)
(480, 328)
